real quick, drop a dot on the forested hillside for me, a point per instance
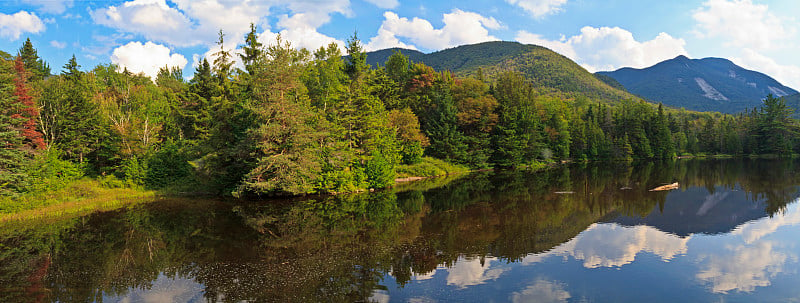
(709, 84)
(544, 68)
(293, 122)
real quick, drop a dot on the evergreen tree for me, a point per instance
(287, 135)
(12, 152)
(252, 50)
(36, 67)
(775, 127)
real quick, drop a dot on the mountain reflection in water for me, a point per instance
(726, 234)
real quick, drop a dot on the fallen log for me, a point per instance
(666, 187)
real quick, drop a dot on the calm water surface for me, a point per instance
(570, 234)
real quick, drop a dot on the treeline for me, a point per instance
(288, 121)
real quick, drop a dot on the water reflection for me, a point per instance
(542, 291)
(502, 236)
(612, 245)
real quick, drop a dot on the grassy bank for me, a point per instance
(429, 167)
(79, 197)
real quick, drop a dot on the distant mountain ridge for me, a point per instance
(545, 68)
(709, 84)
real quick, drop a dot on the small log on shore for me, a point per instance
(666, 187)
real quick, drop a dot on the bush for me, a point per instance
(48, 171)
(412, 153)
(379, 171)
(429, 167)
(167, 167)
(343, 181)
(134, 171)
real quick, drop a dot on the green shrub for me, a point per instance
(379, 171)
(429, 167)
(412, 153)
(48, 171)
(134, 171)
(168, 167)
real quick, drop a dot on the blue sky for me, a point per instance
(598, 34)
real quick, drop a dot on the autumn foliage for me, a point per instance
(28, 110)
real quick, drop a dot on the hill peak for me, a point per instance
(708, 84)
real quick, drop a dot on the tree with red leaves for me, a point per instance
(29, 110)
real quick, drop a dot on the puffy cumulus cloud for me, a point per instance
(612, 245)
(146, 58)
(468, 272)
(385, 3)
(191, 23)
(539, 8)
(459, 28)
(386, 39)
(153, 19)
(609, 48)
(197, 22)
(12, 26)
(51, 6)
(741, 23)
(743, 268)
(301, 30)
(542, 291)
(233, 17)
(788, 75)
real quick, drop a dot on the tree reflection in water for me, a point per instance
(343, 248)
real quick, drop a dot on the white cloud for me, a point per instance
(788, 75)
(58, 44)
(542, 291)
(385, 3)
(459, 28)
(146, 58)
(539, 8)
(12, 26)
(154, 20)
(609, 48)
(386, 39)
(741, 23)
(192, 23)
(51, 6)
(301, 30)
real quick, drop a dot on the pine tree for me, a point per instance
(223, 61)
(253, 49)
(286, 133)
(36, 67)
(774, 126)
(78, 124)
(12, 153)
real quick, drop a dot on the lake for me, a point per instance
(578, 233)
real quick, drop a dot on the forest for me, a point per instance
(286, 121)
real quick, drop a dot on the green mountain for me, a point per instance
(710, 84)
(546, 69)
